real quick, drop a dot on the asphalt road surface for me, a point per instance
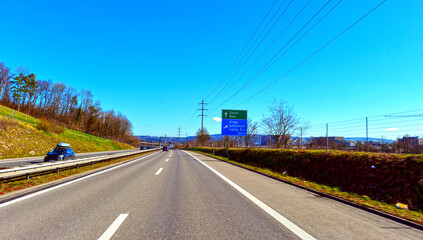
(180, 195)
(12, 162)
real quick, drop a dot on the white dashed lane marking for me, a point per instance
(112, 229)
(158, 172)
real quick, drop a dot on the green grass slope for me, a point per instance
(20, 138)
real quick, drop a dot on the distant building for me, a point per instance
(413, 141)
(321, 141)
(269, 140)
(351, 144)
(263, 140)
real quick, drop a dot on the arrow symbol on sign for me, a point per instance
(225, 126)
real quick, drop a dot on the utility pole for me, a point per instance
(327, 136)
(382, 145)
(202, 115)
(227, 145)
(367, 135)
(179, 135)
(301, 139)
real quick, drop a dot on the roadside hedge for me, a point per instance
(389, 178)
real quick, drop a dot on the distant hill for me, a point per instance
(220, 137)
(19, 137)
(354, 139)
(147, 138)
(162, 139)
(362, 139)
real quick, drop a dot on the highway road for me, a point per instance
(12, 162)
(185, 195)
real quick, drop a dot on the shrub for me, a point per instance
(46, 126)
(384, 177)
(5, 123)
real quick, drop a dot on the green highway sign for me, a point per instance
(234, 123)
(234, 114)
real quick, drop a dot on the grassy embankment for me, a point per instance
(19, 137)
(363, 200)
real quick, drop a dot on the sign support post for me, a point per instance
(227, 145)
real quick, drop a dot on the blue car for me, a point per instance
(61, 152)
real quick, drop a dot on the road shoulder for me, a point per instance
(306, 209)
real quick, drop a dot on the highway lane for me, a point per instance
(186, 200)
(175, 204)
(12, 162)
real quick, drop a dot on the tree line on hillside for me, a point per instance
(62, 105)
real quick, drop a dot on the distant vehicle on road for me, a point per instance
(143, 147)
(150, 147)
(61, 152)
(164, 148)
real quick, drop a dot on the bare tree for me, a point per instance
(281, 122)
(44, 92)
(22, 70)
(69, 103)
(203, 136)
(252, 129)
(4, 81)
(36, 93)
(57, 92)
(6, 92)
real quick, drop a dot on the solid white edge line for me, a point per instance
(112, 229)
(68, 183)
(158, 171)
(281, 219)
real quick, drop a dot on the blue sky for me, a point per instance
(154, 61)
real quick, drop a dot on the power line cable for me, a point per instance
(267, 33)
(355, 120)
(191, 122)
(261, 55)
(188, 131)
(314, 53)
(190, 118)
(245, 54)
(245, 47)
(270, 63)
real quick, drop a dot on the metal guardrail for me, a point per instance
(50, 166)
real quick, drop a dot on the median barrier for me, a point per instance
(56, 166)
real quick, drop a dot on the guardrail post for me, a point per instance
(57, 170)
(92, 163)
(77, 166)
(27, 176)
